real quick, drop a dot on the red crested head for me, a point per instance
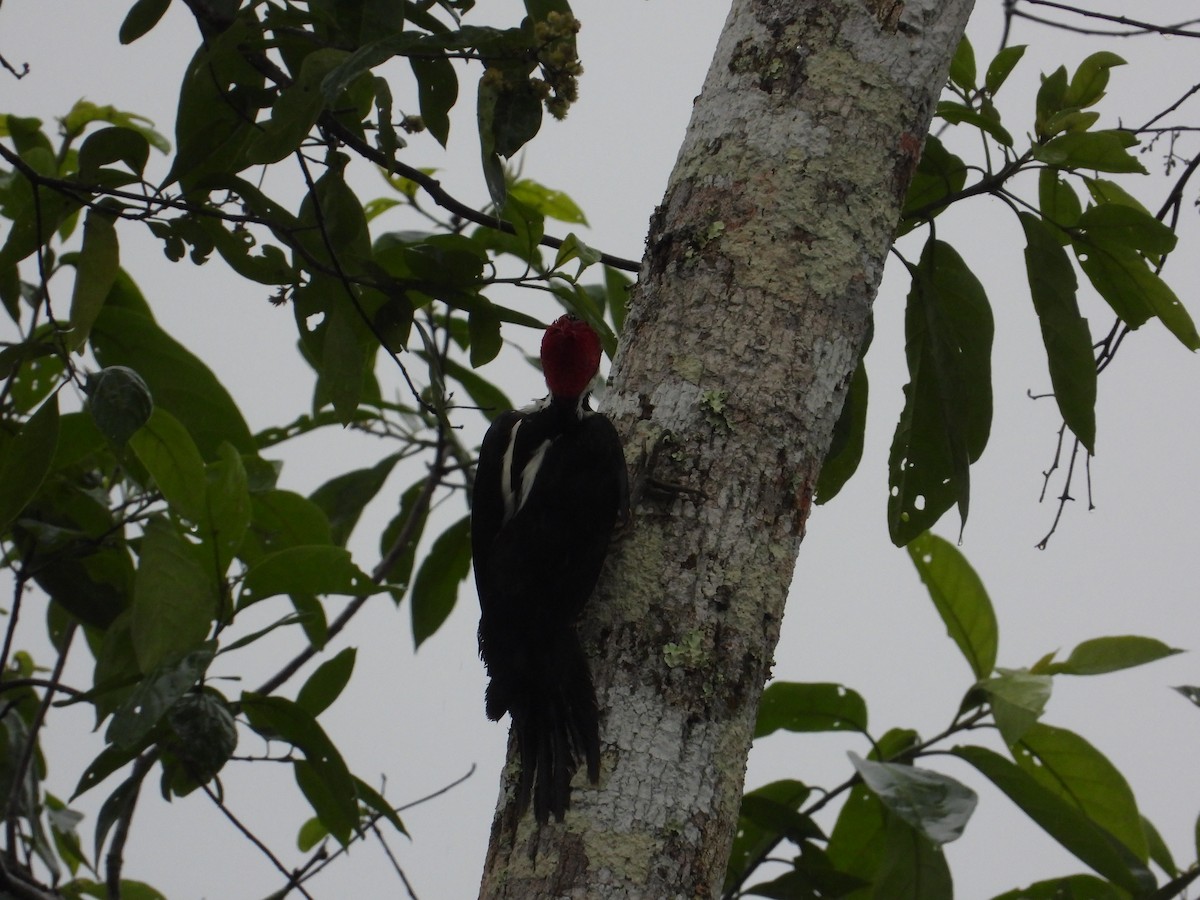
(570, 356)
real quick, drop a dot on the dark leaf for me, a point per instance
(343, 498)
(1065, 332)
(1001, 66)
(170, 455)
(435, 588)
(119, 402)
(142, 16)
(1111, 654)
(757, 834)
(155, 694)
(793, 706)
(437, 91)
(849, 433)
(95, 272)
(962, 66)
(174, 597)
(1068, 766)
(27, 460)
(320, 569)
(326, 684)
(1102, 151)
(1073, 887)
(1062, 821)
(947, 413)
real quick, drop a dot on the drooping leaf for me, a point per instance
(174, 597)
(95, 272)
(947, 414)
(322, 775)
(960, 598)
(27, 460)
(1062, 820)
(437, 92)
(1065, 332)
(484, 328)
(849, 435)
(934, 804)
(1059, 204)
(858, 842)
(227, 506)
(913, 868)
(372, 799)
(551, 203)
(435, 588)
(1071, 768)
(326, 683)
(170, 455)
(296, 110)
(794, 706)
(939, 175)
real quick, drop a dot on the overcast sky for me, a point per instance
(858, 613)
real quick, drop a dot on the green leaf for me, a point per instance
(326, 684)
(296, 110)
(1073, 887)
(1018, 699)
(170, 455)
(793, 706)
(1111, 654)
(849, 434)
(227, 506)
(344, 497)
(218, 103)
(859, 840)
(939, 175)
(986, 120)
(319, 569)
(1123, 278)
(484, 328)
(1159, 851)
(551, 203)
(372, 799)
(947, 414)
(1062, 821)
(912, 867)
(1103, 151)
(343, 364)
(1050, 100)
(1059, 204)
(99, 262)
(960, 598)
(1119, 226)
(766, 816)
(437, 92)
(311, 833)
(180, 383)
(1071, 768)
(281, 519)
(155, 694)
(962, 66)
(490, 399)
(27, 460)
(1090, 79)
(142, 16)
(934, 804)
(1191, 692)
(1001, 67)
(119, 402)
(174, 597)
(322, 775)
(1065, 332)
(435, 588)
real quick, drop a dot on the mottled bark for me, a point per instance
(746, 325)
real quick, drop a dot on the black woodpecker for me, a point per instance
(550, 487)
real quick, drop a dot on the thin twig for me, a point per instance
(292, 877)
(392, 858)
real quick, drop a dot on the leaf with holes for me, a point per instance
(960, 598)
(793, 706)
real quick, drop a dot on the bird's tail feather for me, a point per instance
(557, 725)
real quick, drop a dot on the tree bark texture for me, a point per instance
(745, 328)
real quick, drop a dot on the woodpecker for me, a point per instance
(550, 486)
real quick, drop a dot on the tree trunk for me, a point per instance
(746, 326)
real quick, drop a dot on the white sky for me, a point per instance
(858, 613)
